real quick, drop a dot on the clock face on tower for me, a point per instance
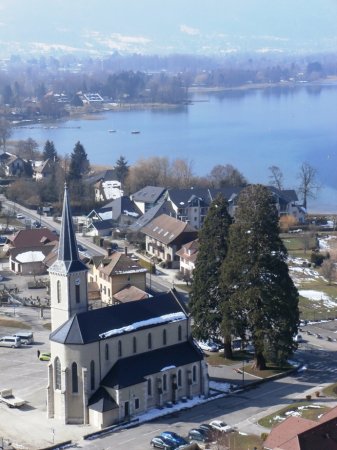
(77, 281)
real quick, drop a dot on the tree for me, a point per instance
(122, 169)
(49, 151)
(79, 163)
(27, 149)
(276, 177)
(5, 132)
(205, 296)
(329, 270)
(226, 176)
(258, 293)
(309, 185)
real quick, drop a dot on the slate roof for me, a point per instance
(149, 194)
(288, 195)
(182, 197)
(68, 259)
(133, 370)
(102, 224)
(101, 401)
(86, 327)
(120, 206)
(166, 229)
(161, 208)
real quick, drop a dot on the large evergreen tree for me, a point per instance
(79, 163)
(259, 294)
(49, 151)
(122, 169)
(205, 297)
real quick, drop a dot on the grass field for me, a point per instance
(305, 409)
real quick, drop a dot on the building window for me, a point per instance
(106, 352)
(109, 292)
(149, 387)
(57, 366)
(119, 349)
(179, 378)
(92, 375)
(134, 341)
(58, 290)
(164, 337)
(74, 377)
(136, 403)
(179, 333)
(149, 341)
(77, 293)
(194, 374)
(165, 382)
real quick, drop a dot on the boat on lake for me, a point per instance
(135, 132)
(112, 131)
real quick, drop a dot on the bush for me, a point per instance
(317, 258)
(264, 436)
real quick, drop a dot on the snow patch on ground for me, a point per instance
(318, 296)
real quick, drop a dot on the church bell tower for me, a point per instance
(68, 274)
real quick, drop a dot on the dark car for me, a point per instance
(162, 442)
(174, 438)
(207, 427)
(198, 434)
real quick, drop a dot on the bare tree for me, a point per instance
(5, 132)
(182, 173)
(329, 270)
(276, 177)
(226, 175)
(309, 185)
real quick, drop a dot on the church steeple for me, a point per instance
(68, 256)
(68, 274)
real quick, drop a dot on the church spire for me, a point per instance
(68, 256)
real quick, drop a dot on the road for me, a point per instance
(241, 410)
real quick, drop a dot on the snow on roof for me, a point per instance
(130, 213)
(168, 368)
(112, 189)
(31, 256)
(173, 317)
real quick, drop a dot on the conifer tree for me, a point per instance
(258, 293)
(205, 297)
(79, 163)
(49, 151)
(122, 169)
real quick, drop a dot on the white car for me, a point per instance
(20, 216)
(208, 346)
(221, 426)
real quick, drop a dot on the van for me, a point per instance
(10, 341)
(26, 338)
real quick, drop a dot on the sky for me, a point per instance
(212, 27)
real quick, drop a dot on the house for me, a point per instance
(165, 235)
(297, 433)
(188, 255)
(106, 185)
(111, 364)
(99, 228)
(122, 211)
(43, 170)
(12, 165)
(148, 197)
(163, 207)
(28, 250)
(115, 272)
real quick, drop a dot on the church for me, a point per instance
(110, 364)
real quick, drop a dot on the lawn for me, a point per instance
(305, 409)
(270, 371)
(218, 359)
(241, 441)
(12, 323)
(331, 390)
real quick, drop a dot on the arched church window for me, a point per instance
(58, 291)
(164, 337)
(57, 368)
(149, 386)
(119, 349)
(134, 344)
(74, 377)
(92, 375)
(194, 374)
(179, 377)
(77, 293)
(106, 352)
(149, 341)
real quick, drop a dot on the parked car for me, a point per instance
(198, 434)
(298, 338)
(45, 356)
(174, 438)
(221, 426)
(10, 341)
(25, 337)
(208, 346)
(161, 442)
(207, 427)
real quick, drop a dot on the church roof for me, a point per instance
(97, 324)
(133, 370)
(101, 401)
(68, 259)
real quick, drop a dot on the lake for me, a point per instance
(250, 129)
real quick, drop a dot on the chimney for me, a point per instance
(126, 251)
